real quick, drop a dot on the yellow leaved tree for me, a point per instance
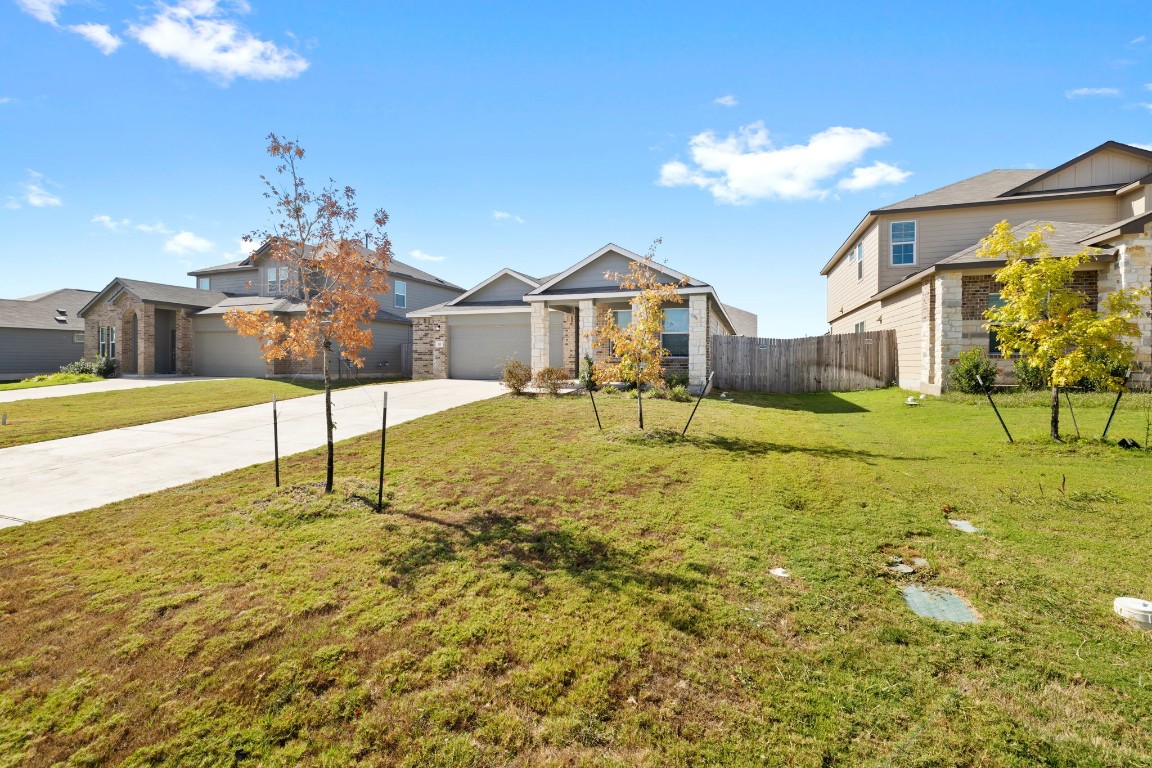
(1047, 323)
(330, 267)
(637, 355)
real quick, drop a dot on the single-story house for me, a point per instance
(547, 321)
(912, 267)
(152, 328)
(40, 333)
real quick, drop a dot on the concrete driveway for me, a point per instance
(53, 478)
(106, 385)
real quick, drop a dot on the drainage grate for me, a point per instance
(940, 604)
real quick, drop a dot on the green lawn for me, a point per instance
(543, 594)
(31, 421)
(50, 380)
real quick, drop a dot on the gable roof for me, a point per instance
(549, 286)
(1133, 225)
(1106, 146)
(529, 282)
(41, 311)
(158, 293)
(229, 267)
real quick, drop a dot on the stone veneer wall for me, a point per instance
(1133, 269)
(430, 361)
(571, 360)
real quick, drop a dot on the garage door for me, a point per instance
(220, 351)
(478, 345)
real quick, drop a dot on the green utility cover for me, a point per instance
(939, 604)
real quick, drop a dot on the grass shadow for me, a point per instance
(810, 402)
(750, 447)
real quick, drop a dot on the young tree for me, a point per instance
(335, 269)
(636, 347)
(1046, 322)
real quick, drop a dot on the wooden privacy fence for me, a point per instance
(811, 364)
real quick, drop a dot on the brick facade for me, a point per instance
(430, 347)
(976, 288)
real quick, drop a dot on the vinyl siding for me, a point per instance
(940, 234)
(1108, 167)
(234, 282)
(901, 313)
(32, 351)
(1135, 203)
(420, 295)
(844, 290)
(503, 288)
(387, 339)
(592, 275)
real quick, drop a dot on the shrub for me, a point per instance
(550, 379)
(680, 394)
(586, 379)
(1030, 377)
(674, 380)
(972, 363)
(103, 367)
(1091, 385)
(609, 390)
(517, 376)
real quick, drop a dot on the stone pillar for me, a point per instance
(184, 341)
(430, 347)
(540, 340)
(949, 323)
(928, 381)
(697, 339)
(586, 317)
(146, 339)
(1133, 269)
(571, 360)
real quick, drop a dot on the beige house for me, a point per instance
(547, 321)
(912, 266)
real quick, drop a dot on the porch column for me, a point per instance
(949, 324)
(183, 343)
(540, 358)
(928, 381)
(587, 327)
(697, 339)
(146, 340)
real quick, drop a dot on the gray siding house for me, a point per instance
(548, 321)
(912, 267)
(40, 333)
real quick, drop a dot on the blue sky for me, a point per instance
(751, 137)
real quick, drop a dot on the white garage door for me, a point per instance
(478, 345)
(220, 351)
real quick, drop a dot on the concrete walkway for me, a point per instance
(106, 385)
(53, 478)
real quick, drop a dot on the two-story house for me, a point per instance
(912, 266)
(151, 328)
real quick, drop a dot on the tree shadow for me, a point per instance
(532, 547)
(765, 447)
(811, 402)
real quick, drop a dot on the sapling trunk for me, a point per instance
(640, 402)
(328, 417)
(1055, 426)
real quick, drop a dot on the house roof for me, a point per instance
(395, 267)
(42, 310)
(1133, 225)
(1108, 145)
(529, 282)
(159, 293)
(272, 304)
(547, 286)
(1065, 239)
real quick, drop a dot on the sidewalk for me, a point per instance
(106, 385)
(53, 478)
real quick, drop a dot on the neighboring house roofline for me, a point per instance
(530, 281)
(52, 310)
(46, 294)
(1128, 148)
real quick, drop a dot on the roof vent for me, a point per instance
(61, 320)
(62, 312)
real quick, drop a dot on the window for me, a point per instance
(903, 243)
(107, 341)
(623, 317)
(675, 335)
(78, 338)
(277, 280)
(204, 284)
(994, 301)
(401, 294)
(859, 261)
(859, 327)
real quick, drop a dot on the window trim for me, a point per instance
(400, 295)
(204, 283)
(275, 280)
(859, 327)
(686, 334)
(915, 242)
(859, 261)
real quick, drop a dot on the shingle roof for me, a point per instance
(172, 294)
(272, 304)
(230, 266)
(1129, 226)
(40, 311)
(1063, 240)
(986, 186)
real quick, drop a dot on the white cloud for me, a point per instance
(110, 223)
(1137, 40)
(421, 256)
(1142, 146)
(1077, 93)
(33, 193)
(875, 175)
(44, 10)
(197, 34)
(186, 242)
(747, 166)
(727, 100)
(5, 99)
(99, 35)
(154, 229)
(505, 216)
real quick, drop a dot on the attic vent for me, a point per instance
(62, 312)
(61, 320)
